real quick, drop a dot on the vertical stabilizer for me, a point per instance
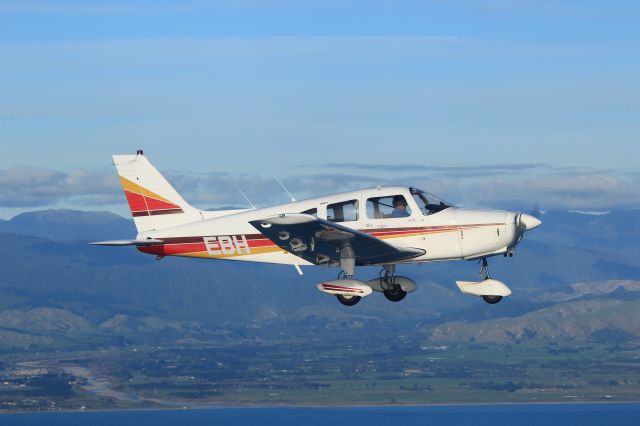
(154, 203)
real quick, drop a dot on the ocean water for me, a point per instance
(477, 415)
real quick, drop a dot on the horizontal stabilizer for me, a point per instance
(147, 242)
(484, 288)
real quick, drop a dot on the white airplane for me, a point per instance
(382, 226)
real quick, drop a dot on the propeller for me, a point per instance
(527, 222)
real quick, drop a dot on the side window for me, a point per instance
(389, 207)
(312, 212)
(346, 211)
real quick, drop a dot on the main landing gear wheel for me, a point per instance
(492, 300)
(395, 294)
(348, 300)
(391, 290)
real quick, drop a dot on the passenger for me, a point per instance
(399, 207)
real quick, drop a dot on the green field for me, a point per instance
(321, 374)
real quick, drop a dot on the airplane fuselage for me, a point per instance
(448, 234)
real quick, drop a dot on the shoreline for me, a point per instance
(205, 407)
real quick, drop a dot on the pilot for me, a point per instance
(399, 207)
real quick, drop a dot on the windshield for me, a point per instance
(429, 204)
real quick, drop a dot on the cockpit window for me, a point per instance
(391, 206)
(312, 212)
(429, 204)
(346, 211)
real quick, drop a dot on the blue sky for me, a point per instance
(487, 102)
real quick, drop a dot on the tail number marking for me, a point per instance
(227, 245)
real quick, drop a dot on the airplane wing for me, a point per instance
(320, 242)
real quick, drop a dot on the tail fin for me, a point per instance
(154, 203)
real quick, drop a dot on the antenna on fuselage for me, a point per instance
(285, 189)
(244, 195)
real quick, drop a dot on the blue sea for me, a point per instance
(457, 415)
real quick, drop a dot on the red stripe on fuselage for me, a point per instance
(170, 248)
(181, 245)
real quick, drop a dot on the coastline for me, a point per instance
(205, 407)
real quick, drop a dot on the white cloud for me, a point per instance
(549, 188)
(594, 191)
(24, 186)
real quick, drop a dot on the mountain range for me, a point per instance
(58, 291)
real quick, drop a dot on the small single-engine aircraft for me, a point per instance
(382, 226)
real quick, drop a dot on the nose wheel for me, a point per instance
(492, 300)
(484, 273)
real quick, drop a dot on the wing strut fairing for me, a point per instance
(322, 242)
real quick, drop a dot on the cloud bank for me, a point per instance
(495, 186)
